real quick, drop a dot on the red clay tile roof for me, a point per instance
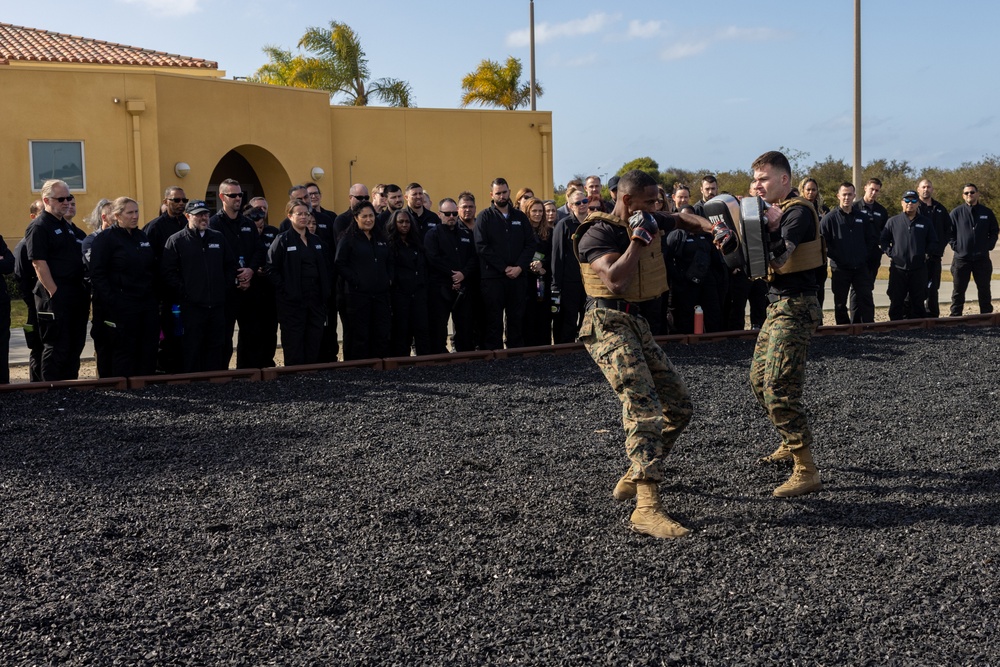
(30, 44)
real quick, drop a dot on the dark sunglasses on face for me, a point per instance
(970, 192)
(238, 195)
(449, 214)
(909, 201)
(361, 197)
(582, 202)
(177, 200)
(63, 199)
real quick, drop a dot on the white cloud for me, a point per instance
(694, 46)
(167, 7)
(547, 32)
(644, 29)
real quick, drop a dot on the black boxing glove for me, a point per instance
(644, 227)
(724, 238)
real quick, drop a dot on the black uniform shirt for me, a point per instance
(58, 243)
(123, 270)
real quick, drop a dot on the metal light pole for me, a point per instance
(857, 95)
(531, 29)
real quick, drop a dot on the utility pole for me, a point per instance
(857, 95)
(531, 23)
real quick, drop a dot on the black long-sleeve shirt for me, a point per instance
(242, 237)
(285, 260)
(450, 248)
(123, 270)
(849, 238)
(6, 266)
(503, 241)
(58, 243)
(937, 215)
(363, 263)
(973, 231)
(198, 269)
(565, 267)
(409, 268)
(908, 242)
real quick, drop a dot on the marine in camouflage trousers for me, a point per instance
(779, 366)
(656, 405)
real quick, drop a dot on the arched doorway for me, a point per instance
(258, 171)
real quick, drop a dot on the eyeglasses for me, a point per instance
(909, 201)
(237, 195)
(449, 214)
(313, 194)
(177, 200)
(966, 194)
(360, 197)
(63, 199)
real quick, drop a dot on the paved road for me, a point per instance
(19, 351)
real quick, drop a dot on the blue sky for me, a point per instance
(690, 88)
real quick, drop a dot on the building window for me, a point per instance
(58, 159)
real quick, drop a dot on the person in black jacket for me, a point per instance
(567, 286)
(451, 267)
(409, 285)
(506, 245)
(251, 254)
(6, 266)
(98, 220)
(538, 307)
(199, 267)
(934, 211)
(24, 275)
(364, 267)
(169, 355)
(908, 239)
(297, 267)
(877, 217)
(849, 236)
(973, 235)
(123, 272)
(698, 277)
(54, 248)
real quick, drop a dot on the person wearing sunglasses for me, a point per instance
(61, 299)
(973, 235)
(172, 220)
(906, 239)
(251, 254)
(451, 264)
(568, 297)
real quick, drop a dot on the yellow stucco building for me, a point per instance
(114, 120)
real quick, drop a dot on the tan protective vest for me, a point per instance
(808, 255)
(650, 280)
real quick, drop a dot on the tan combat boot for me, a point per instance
(625, 488)
(649, 517)
(805, 477)
(782, 453)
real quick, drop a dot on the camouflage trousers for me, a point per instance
(779, 366)
(656, 405)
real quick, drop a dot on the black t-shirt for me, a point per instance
(601, 239)
(797, 226)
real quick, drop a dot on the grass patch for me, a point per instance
(18, 313)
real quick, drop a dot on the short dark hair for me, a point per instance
(172, 188)
(875, 181)
(466, 196)
(708, 178)
(774, 159)
(498, 181)
(447, 200)
(391, 187)
(230, 181)
(681, 186)
(846, 184)
(310, 184)
(971, 185)
(635, 181)
(414, 186)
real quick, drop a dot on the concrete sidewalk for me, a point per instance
(19, 351)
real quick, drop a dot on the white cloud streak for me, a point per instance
(547, 32)
(168, 7)
(692, 47)
(644, 29)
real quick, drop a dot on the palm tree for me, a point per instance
(496, 85)
(336, 64)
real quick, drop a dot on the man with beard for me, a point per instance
(451, 259)
(567, 284)
(421, 215)
(169, 354)
(973, 235)
(393, 195)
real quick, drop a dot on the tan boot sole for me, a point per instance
(657, 525)
(799, 490)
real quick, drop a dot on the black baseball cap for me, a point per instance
(613, 183)
(196, 206)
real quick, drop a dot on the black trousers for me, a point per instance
(734, 304)
(102, 335)
(907, 292)
(206, 347)
(857, 282)
(504, 297)
(538, 318)
(62, 327)
(873, 266)
(685, 295)
(132, 342)
(329, 347)
(566, 323)
(170, 353)
(933, 285)
(5, 340)
(981, 270)
(369, 320)
(409, 323)
(33, 340)
(821, 276)
(302, 324)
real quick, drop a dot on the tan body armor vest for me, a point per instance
(808, 255)
(650, 280)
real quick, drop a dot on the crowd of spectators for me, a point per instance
(404, 279)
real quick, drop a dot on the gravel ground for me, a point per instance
(463, 515)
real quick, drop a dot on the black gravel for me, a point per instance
(463, 515)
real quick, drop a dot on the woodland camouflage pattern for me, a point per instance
(779, 366)
(656, 405)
